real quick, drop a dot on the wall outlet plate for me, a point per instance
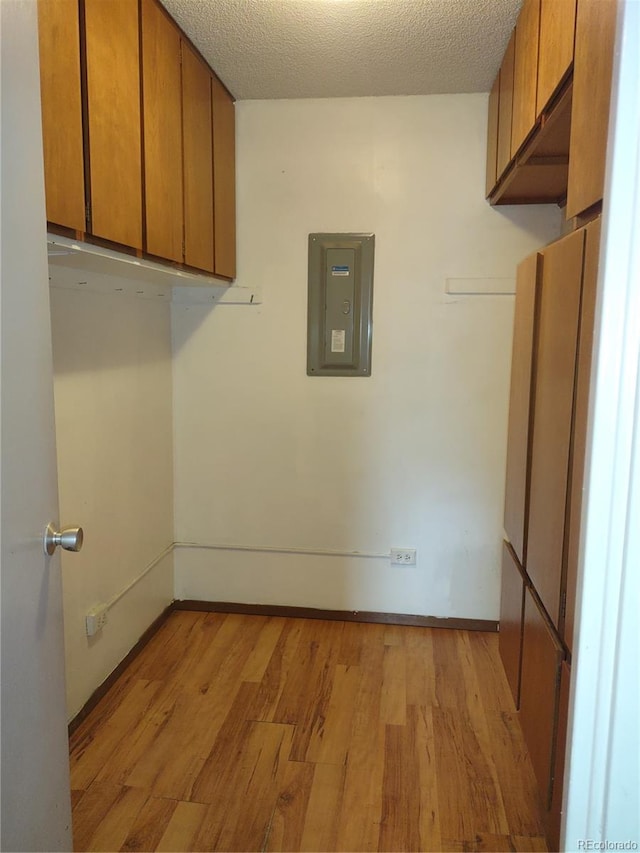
(403, 556)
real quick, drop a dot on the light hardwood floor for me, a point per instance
(248, 733)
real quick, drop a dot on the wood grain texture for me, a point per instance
(162, 112)
(525, 73)
(579, 430)
(505, 117)
(592, 69)
(554, 815)
(59, 39)
(224, 179)
(511, 621)
(557, 35)
(542, 655)
(554, 389)
(492, 136)
(337, 741)
(114, 124)
(197, 152)
(521, 403)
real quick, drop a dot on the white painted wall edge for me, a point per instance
(603, 757)
(131, 612)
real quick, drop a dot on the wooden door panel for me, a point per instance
(492, 135)
(198, 161)
(162, 110)
(592, 69)
(113, 114)
(557, 32)
(505, 108)
(542, 655)
(554, 815)
(224, 180)
(581, 410)
(519, 433)
(525, 74)
(553, 408)
(511, 620)
(59, 39)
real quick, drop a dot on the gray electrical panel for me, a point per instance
(340, 304)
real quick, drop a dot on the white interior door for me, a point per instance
(36, 813)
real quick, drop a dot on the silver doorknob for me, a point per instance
(70, 539)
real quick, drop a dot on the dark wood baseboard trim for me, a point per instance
(110, 680)
(337, 615)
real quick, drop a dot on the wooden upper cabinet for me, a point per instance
(557, 33)
(542, 657)
(592, 70)
(505, 108)
(113, 120)
(59, 36)
(198, 161)
(525, 73)
(162, 114)
(492, 136)
(552, 421)
(224, 179)
(580, 415)
(518, 441)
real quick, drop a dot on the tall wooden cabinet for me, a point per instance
(139, 134)
(553, 336)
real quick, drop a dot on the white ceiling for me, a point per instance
(344, 48)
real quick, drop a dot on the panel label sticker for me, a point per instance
(337, 340)
(340, 269)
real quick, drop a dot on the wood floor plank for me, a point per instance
(277, 672)
(469, 799)
(260, 656)
(526, 844)
(89, 753)
(494, 687)
(320, 829)
(393, 700)
(329, 741)
(361, 808)
(515, 775)
(150, 824)
(109, 813)
(181, 830)
(247, 790)
(421, 673)
(288, 818)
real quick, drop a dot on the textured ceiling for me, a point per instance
(344, 48)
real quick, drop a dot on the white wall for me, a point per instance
(414, 456)
(112, 364)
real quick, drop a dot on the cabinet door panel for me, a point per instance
(519, 433)
(113, 113)
(511, 620)
(553, 402)
(581, 410)
(224, 179)
(554, 816)
(557, 31)
(59, 37)
(505, 108)
(542, 657)
(492, 135)
(592, 68)
(162, 99)
(198, 161)
(525, 73)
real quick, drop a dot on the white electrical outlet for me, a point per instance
(403, 556)
(96, 619)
